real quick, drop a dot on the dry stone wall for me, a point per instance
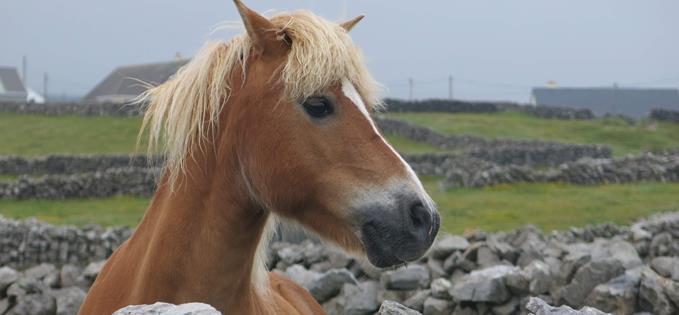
(110, 182)
(665, 115)
(478, 173)
(457, 106)
(71, 164)
(617, 269)
(504, 151)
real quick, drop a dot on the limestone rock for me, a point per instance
(486, 285)
(536, 306)
(160, 308)
(447, 245)
(409, 278)
(394, 308)
(330, 283)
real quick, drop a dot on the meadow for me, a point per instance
(620, 135)
(548, 206)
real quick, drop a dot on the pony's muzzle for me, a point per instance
(395, 235)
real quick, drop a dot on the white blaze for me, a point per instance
(350, 92)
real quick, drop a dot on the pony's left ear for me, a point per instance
(261, 31)
(348, 25)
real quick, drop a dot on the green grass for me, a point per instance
(112, 211)
(35, 135)
(621, 136)
(32, 135)
(407, 146)
(548, 206)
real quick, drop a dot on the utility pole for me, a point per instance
(24, 67)
(411, 84)
(45, 83)
(450, 87)
(615, 97)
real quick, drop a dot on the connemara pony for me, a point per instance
(275, 123)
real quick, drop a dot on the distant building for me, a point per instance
(630, 102)
(12, 89)
(127, 82)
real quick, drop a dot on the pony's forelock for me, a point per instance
(184, 111)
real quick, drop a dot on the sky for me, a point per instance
(493, 50)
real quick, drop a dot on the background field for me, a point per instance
(622, 136)
(549, 206)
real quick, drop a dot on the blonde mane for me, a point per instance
(184, 111)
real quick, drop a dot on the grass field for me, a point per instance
(34, 135)
(549, 206)
(620, 135)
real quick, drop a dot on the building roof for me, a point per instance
(10, 81)
(630, 102)
(127, 82)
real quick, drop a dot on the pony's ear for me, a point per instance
(348, 25)
(261, 31)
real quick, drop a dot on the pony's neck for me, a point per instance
(203, 237)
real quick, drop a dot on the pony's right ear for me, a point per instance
(261, 31)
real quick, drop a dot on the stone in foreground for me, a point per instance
(536, 306)
(394, 308)
(160, 308)
(486, 285)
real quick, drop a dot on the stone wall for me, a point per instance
(110, 182)
(31, 242)
(474, 169)
(504, 151)
(618, 269)
(71, 164)
(87, 109)
(665, 115)
(639, 168)
(457, 106)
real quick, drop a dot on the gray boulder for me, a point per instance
(92, 270)
(361, 299)
(68, 300)
(447, 244)
(536, 306)
(160, 308)
(539, 277)
(587, 278)
(486, 285)
(409, 278)
(330, 283)
(394, 308)
(652, 295)
(620, 250)
(301, 275)
(434, 306)
(40, 271)
(34, 304)
(416, 301)
(69, 274)
(618, 296)
(439, 289)
(666, 266)
(7, 277)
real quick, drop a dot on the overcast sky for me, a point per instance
(493, 49)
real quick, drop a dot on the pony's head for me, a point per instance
(291, 101)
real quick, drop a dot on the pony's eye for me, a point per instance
(318, 106)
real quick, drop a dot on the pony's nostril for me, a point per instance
(419, 215)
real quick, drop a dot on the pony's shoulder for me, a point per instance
(291, 296)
